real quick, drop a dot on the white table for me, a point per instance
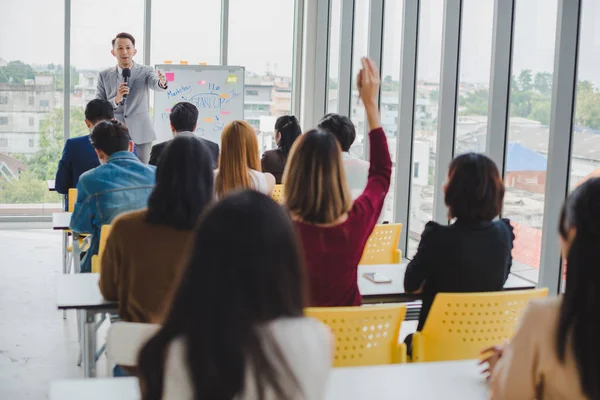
(61, 221)
(51, 185)
(454, 380)
(81, 292)
(394, 291)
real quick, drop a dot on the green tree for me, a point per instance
(588, 109)
(542, 83)
(540, 111)
(525, 80)
(16, 72)
(474, 103)
(31, 185)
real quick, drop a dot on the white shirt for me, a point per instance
(357, 173)
(305, 344)
(259, 181)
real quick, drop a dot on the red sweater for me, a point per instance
(332, 253)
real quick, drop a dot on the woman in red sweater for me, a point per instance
(333, 231)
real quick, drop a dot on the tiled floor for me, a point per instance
(36, 344)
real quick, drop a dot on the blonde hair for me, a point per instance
(314, 180)
(239, 153)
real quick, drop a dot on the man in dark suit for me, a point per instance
(79, 155)
(184, 120)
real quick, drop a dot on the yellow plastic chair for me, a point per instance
(104, 232)
(382, 246)
(72, 199)
(364, 335)
(277, 194)
(460, 325)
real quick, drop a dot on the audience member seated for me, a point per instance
(144, 250)
(473, 254)
(184, 120)
(357, 170)
(555, 352)
(78, 154)
(121, 183)
(235, 328)
(239, 164)
(287, 130)
(333, 231)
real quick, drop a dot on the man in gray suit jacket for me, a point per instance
(133, 111)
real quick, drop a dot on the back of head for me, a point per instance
(184, 117)
(474, 191)
(244, 246)
(289, 129)
(314, 179)
(341, 127)
(110, 137)
(239, 153)
(184, 184)
(579, 322)
(99, 110)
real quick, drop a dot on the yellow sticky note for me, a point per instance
(183, 62)
(203, 63)
(168, 62)
(232, 78)
(208, 120)
(225, 96)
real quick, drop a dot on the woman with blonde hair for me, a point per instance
(332, 229)
(239, 163)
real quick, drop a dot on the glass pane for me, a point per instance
(261, 38)
(359, 49)
(426, 116)
(390, 87)
(333, 63)
(31, 94)
(585, 150)
(475, 62)
(179, 34)
(527, 150)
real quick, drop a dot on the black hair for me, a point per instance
(289, 129)
(579, 321)
(110, 137)
(99, 110)
(475, 191)
(341, 127)
(184, 184)
(245, 246)
(184, 117)
(124, 35)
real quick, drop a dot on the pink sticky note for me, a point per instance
(170, 76)
(167, 110)
(201, 82)
(225, 112)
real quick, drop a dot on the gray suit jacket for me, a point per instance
(135, 114)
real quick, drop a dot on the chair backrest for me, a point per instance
(104, 232)
(72, 199)
(382, 246)
(460, 325)
(364, 335)
(277, 194)
(125, 339)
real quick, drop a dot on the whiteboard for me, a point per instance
(217, 91)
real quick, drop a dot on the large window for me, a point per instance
(390, 88)
(31, 77)
(261, 38)
(359, 50)
(527, 149)
(426, 117)
(475, 61)
(585, 149)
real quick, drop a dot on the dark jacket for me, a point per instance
(213, 149)
(273, 161)
(78, 157)
(460, 258)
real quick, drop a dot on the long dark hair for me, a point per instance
(184, 184)
(579, 321)
(244, 270)
(289, 129)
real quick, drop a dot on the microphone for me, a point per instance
(126, 75)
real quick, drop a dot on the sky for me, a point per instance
(261, 34)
